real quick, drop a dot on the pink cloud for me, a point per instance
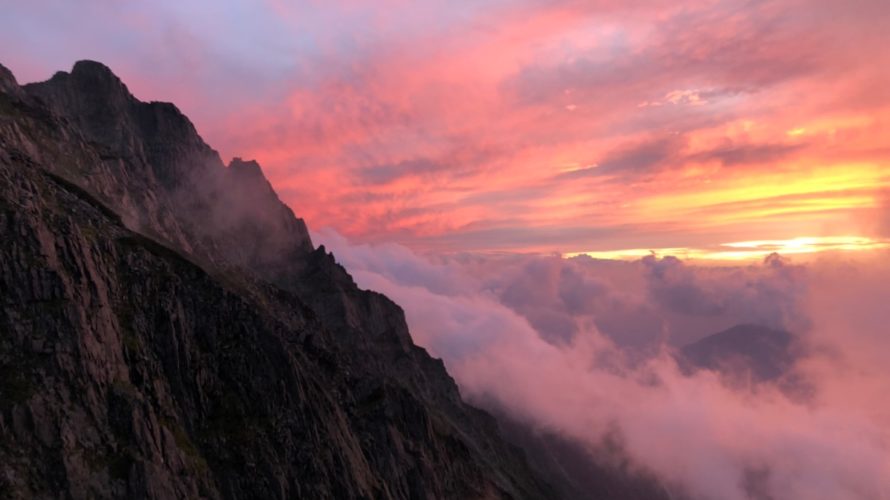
(699, 435)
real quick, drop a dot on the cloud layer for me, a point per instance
(582, 347)
(516, 124)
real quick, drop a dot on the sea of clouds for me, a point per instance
(585, 348)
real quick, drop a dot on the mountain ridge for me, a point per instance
(169, 330)
(184, 338)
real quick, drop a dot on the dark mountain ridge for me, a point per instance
(168, 329)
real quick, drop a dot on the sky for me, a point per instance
(476, 161)
(723, 129)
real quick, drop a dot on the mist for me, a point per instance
(587, 349)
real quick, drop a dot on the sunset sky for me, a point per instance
(709, 128)
(504, 169)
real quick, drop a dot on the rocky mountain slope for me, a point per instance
(168, 329)
(577, 472)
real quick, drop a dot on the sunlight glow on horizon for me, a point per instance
(748, 250)
(813, 189)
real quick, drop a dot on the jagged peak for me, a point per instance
(246, 168)
(99, 101)
(8, 84)
(96, 72)
(250, 179)
(88, 66)
(91, 77)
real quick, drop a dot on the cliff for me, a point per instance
(168, 329)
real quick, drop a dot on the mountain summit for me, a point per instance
(168, 329)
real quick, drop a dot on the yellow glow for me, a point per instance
(822, 189)
(748, 250)
(817, 204)
(797, 132)
(634, 253)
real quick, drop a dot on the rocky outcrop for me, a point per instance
(149, 162)
(8, 85)
(168, 330)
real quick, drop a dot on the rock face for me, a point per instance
(580, 473)
(168, 330)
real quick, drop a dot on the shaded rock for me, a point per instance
(168, 330)
(8, 85)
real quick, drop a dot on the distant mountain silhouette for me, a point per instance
(744, 350)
